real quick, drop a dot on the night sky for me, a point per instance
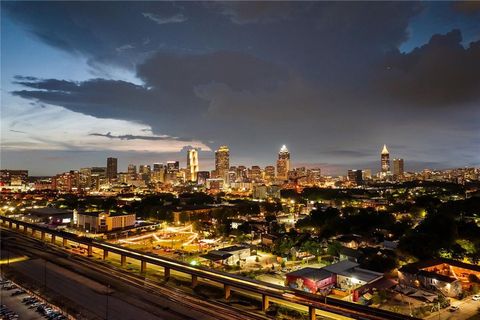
(333, 81)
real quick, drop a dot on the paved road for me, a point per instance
(468, 309)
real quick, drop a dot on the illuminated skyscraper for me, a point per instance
(132, 169)
(222, 162)
(385, 160)
(269, 173)
(192, 164)
(398, 167)
(283, 163)
(173, 166)
(111, 168)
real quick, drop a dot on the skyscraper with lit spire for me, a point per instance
(283, 163)
(385, 160)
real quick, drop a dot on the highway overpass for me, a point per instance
(229, 281)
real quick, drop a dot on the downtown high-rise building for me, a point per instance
(192, 164)
(132, 169)
(269, 173)
(222, 162)
(355, 175)
(111, 168)
(385, 160)
(398, 167)
(283, 163)
(173, 166)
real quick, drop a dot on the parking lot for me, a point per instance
(16, 303)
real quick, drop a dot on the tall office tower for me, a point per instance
(144, 172)
(385, 160)
(111, 168)
(366, 174)
(158, 174)
(85, 178)
(99, 171)
(398, 167)
(255, 174)
(314, 176)
(222, 162)
(132, 169)
(157, 167)
(241, 173)
(269, 173)
(192, 164)
(283, 163)
(173, 166)
(202, 177)
(355, 176)
(232, 175)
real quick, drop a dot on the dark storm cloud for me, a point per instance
(97, 97)
(257, 75)
(169, 92)
(441, 72)
(257, 12)
(468, 7)
(181, 73)
(96, 29)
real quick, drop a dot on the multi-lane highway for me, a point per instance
(267, 291)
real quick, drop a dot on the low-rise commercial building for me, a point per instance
(100, 221)
(345, 277)
(312, 280)
(450, 277)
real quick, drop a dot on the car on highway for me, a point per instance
(453, 309)
(476, 297)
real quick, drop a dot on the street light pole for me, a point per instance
(106, 301)
(45, 275)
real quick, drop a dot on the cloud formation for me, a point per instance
(439, 73)
(159, 19)
(133, 137)
(327, 79)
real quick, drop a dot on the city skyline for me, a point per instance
(267, 75)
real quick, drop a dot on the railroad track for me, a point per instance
(216, 310)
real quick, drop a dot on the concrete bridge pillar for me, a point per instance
(194, 281)
(65, 242)
(166, 274)
(53, 239)
(89, 251)
(143, 266)
(311, 313)
(123, 260)
(226, 291)
(105, 254)
(265, 302)
(42, 235)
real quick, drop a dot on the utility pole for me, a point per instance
(106, 301)
(45, 275)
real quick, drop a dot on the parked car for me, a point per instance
(17, 292)
(453, 309)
